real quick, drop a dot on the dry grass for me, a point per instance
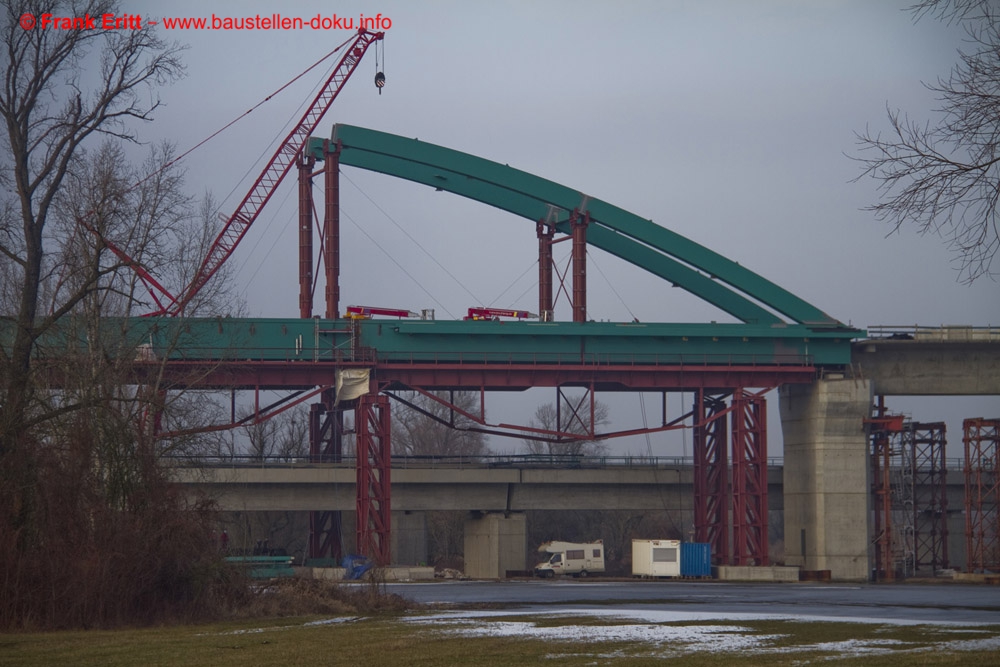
(307, 597)
(386, 639)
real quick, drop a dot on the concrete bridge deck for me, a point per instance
(492, 486)
(483, 487)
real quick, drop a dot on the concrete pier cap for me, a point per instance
(826, 476)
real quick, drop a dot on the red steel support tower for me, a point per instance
(305, 165)
(749, 479)
(711, 474)
(982, 493)
(326, 445)
(882, 429)
(545, 234)
(374, 460)
(331, 228)
(578, 223)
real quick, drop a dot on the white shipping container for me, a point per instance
(656, 558)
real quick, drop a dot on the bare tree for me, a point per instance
(944, 177)
(570, 419)
(431, 428)
(283, 437)
(48, 116)
(91, 532)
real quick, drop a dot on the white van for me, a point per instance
(578, 559)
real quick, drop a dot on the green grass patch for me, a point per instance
(393, 640)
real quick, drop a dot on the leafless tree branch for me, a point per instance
(944, 177)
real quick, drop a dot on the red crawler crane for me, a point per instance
(267, 182)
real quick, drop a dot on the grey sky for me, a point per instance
(727, 122)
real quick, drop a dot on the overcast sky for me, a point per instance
(728, 122)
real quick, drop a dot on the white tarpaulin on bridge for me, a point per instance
(352, 383)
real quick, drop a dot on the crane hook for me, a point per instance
(379, 81)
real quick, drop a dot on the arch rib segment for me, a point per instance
(626, 235)
(597, 234)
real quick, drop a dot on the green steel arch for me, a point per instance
(689, 265)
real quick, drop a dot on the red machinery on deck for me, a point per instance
(365, 312)
(494, 314)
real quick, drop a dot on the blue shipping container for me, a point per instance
(696, 559)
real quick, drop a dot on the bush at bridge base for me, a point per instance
(82, 544)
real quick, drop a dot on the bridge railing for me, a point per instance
(487, 461)
(951, 333)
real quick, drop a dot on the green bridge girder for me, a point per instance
(594, 344)
(679, 260)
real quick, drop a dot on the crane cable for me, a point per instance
(593, 261)
(398, 265)
(514, 282)
(412, 240)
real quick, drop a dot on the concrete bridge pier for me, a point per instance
(494, 543)
(826, 479)
(408, 540)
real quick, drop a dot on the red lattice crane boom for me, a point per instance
(277, 168)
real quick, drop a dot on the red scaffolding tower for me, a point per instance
(749, 479)
(982, 493)
(930, 494)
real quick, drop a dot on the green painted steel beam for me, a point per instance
(392, 340)
(648, 245)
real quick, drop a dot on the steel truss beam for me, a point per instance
(373, 428)
(982, 493)
(749, 479)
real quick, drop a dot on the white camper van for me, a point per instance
(578, 559)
